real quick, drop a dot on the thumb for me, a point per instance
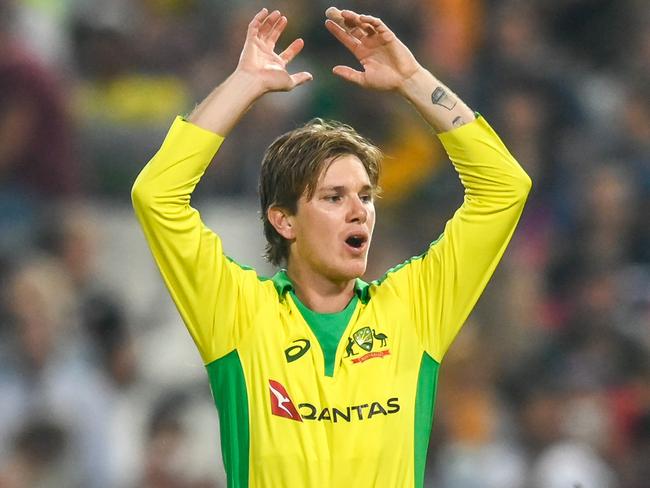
(301, 78)
(350, 74)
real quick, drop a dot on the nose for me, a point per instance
(358, 211)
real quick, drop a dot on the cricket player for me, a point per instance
(319, 378)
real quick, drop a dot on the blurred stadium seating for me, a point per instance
(547, 386)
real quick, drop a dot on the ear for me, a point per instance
(282, 221)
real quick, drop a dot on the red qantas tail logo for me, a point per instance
(281, 404)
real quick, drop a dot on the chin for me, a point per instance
(352, 271)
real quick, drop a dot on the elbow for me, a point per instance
(526, 184)
(141, 196)
(522, 184)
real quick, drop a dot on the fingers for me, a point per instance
(350, 22)
(371, 25)
(353, 20)
(376, 23)
(254, 25)
(267, 26)
(292, 50)
(350, 74)
(333, 13)
(277, 30)
(347, 39)
(269, 22)
(361, 31)
(301, 78)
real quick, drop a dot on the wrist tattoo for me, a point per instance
(440, 97)
(457, 122)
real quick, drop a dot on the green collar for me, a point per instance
(283, 285)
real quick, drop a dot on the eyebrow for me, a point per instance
(342, 188)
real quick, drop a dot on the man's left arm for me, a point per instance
(451, 276)
(446, 282)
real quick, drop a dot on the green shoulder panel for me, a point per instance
(231, 398)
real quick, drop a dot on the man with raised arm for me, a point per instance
(321, 379)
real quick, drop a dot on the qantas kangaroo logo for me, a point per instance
(281, 404)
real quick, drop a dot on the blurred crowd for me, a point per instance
(547, 386)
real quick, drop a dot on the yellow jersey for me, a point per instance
(327, 400)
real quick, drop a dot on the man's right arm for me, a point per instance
(205, 286)
(188, 255)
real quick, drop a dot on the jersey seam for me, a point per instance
(400, 266)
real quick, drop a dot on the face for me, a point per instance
(332, 230)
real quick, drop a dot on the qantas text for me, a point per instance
(348, 414)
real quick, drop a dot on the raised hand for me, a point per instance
(260, 70)
(387, 62)
(259, 60)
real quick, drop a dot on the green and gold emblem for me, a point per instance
(363, 338)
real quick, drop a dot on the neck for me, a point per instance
(318, 292)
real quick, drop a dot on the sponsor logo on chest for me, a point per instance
(283, 406)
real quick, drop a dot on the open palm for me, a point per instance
(259, 59)
(386, 61)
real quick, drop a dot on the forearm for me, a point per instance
(437, 104)
(220, 111)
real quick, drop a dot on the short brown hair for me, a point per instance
(293, 164)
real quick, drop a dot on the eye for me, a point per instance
(366, 198)
(333, 198)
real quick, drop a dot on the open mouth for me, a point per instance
(356, 241)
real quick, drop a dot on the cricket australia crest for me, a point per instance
(363, 338)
